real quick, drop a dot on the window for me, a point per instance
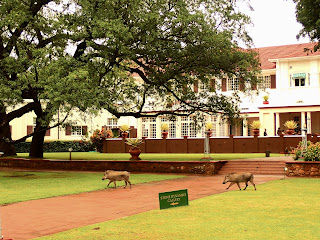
(264, 82)
(233, 84)
(184, 129)
(172, 130)
(299, 80)
(203, 87)
(145, 132)
(153, 130)
(149, 127)
(76, 130)
(112, 123)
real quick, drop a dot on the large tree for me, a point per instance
(84, 54)
(308, 14)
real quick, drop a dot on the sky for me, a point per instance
(274, 23)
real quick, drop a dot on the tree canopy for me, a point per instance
(308, 14)
(84, 54)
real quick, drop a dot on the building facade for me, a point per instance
(290, 77)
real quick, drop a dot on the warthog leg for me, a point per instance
(239, 186)
(127, 183)
(253, 185)
(230, 185)
(115, 186)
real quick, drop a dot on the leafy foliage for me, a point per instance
(58, 146)
(62, 53)
(308, 12)
(98, 136)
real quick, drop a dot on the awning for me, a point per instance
(299, 75)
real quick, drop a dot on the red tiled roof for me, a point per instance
(286, 51)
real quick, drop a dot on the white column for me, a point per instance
(245, 127)
(158, 127)
(309, 124)
(218, 126)
(303, 122)
(277, 122)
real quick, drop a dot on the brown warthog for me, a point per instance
(238, 178)
(114, 176)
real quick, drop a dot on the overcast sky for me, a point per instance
(274, 23)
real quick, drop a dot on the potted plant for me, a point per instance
(291, 125)
(124, 130)
(208, 128)
(265, 99)
(255, 125)
(164, 128)
(135, 149)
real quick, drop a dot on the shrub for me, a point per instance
(57, 146)
(312, 153)
(98, 137)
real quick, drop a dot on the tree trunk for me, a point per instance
(36, 148)
(6, 144)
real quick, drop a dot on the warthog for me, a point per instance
(238, 178)
(114, 176)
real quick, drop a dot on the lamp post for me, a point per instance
(284, 173)
(70, 150)
(206, 146)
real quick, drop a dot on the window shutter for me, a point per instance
(29, 129)
(212, 85)
(273, 81)
(68, 130)
(85, 130)
(224, 85)
(48, 132)
(241, 84)
(195, 86)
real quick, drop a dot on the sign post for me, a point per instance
(173, 199)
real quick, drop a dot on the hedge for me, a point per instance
(57, 146)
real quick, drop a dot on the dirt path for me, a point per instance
(31, 219)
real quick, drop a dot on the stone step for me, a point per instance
(255, 167)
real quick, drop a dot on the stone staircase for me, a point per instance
(261, 167)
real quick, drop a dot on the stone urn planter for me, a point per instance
(255, 132)
(135, 152)
(290, 131)
(124, 134)
(164, 135)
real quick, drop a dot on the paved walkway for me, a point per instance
(31, 219)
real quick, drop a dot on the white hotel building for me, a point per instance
(291, 79)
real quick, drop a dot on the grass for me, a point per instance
(24, 186)
(150, 156)
(278, 210)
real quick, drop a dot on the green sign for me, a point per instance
(299, 75)
(173, 199)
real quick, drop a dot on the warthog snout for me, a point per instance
(238, 178)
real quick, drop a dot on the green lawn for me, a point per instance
(150, 156)
(24, 186)
(278, 210)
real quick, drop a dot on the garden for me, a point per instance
(281, 209)
(278, 210)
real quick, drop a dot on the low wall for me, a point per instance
(303, 169)
(201, 167)
(231, 144)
